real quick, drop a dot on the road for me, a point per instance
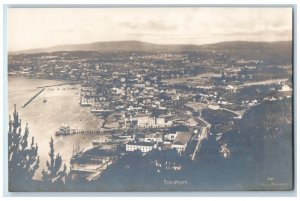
(202, 135)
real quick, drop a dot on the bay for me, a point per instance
(48, 111)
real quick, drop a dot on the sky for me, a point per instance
(30, 28)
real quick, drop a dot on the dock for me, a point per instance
(80, 131)
(110, 132)
(33, 97)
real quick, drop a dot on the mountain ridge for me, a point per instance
(134, 45)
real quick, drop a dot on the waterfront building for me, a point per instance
(142, 146)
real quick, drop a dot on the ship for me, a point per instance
(96, 142)
(64, 129)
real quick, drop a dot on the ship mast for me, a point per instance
(78, 149)
(73, 151)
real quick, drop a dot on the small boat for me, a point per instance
(96, 142)
(63, 130)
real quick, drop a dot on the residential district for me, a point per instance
(157, 100)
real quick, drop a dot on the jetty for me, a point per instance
(82, 131)
(54, 85)
(109, 132)
(33, 97)
(79, 131)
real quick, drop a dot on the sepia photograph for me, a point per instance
(150, 98)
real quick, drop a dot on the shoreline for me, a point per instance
(44, 118)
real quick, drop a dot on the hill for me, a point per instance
(264, 141)
(113, 46)
(245, 47)
(280, 51)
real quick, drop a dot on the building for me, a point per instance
(213, 106)
(170, 136)
(145, 121)
(160, 122)
(142, 146)
(285, 88)
(153, 137)
(181, 140)
(231, 88)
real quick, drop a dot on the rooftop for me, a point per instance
(140, 143)
(182, 138)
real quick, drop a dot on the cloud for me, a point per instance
(27, 27)
(150, 25)
(159, 25)
(129, 25)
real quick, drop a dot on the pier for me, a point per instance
(108, 132)
(82, 131)
(33, 97)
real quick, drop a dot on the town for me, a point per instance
(161, 100)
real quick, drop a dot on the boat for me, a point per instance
(96, 142)
(64, 129)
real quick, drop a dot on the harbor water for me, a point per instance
(55, 106)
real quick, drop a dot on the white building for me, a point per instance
(145, 121)
(169, 123)
(150, 122)
(213, 107)
(170, 136)
(153, 137)
(231, 88)
(142, 146)
(160, 122)
(179, 147)
(285, 88)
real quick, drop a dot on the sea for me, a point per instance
(55, 106)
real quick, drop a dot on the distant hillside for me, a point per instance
(114, 46)
(280, 51)
(257, 48)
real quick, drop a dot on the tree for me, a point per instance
(53, 174)
(23, 159)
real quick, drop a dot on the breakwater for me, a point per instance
(33, 97)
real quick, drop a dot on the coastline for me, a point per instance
(44, 118)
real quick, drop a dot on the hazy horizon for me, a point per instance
(37, 28)
(24, 50)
